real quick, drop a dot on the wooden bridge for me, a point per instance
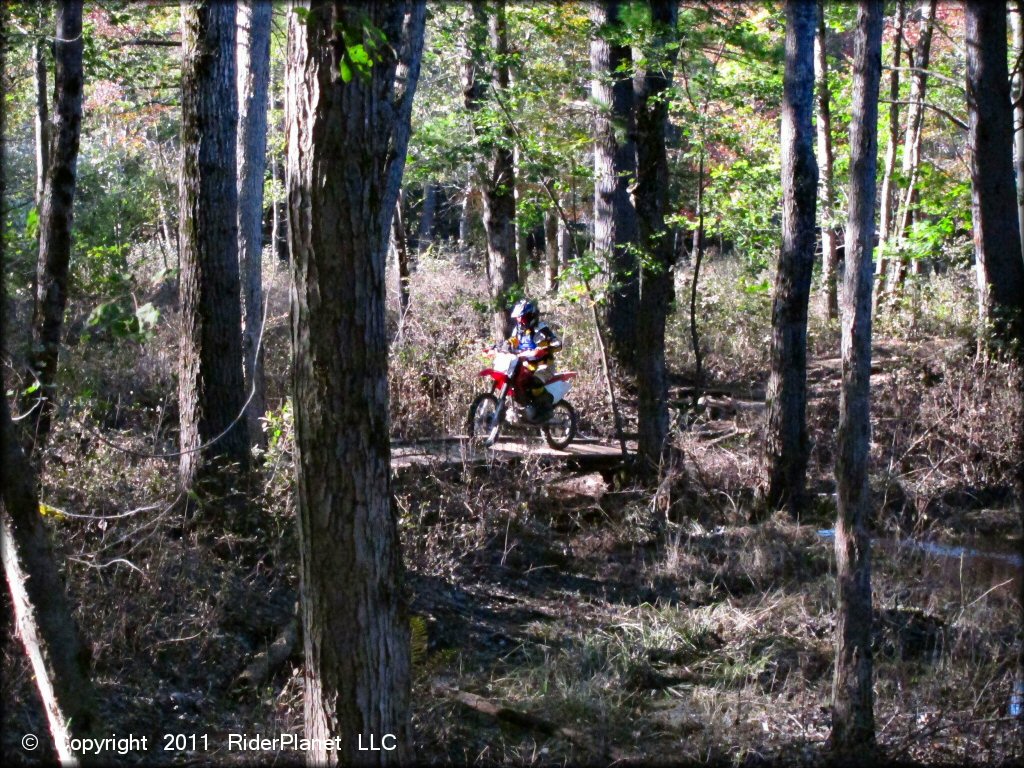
(581, 455)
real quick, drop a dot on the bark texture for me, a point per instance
(853, 723)
(829, 244)
(615, 221)
(56, 218)
(45, 624)
(786, 444)
(346, 153)
(211, 390)
(651, 200)
(997, 244)
(253, 87)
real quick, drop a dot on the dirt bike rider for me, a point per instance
(535, 343)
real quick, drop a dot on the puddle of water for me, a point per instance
(1014, 559)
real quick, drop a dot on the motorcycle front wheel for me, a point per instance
(560, 429)
(483, 420)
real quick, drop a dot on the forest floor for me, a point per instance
(560, 617)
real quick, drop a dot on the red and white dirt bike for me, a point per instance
(508, 403)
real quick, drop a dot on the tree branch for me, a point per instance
(946, 114)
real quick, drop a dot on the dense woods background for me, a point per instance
(250, 255)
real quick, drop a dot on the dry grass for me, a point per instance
(660, 624)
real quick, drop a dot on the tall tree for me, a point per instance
(57, 215)
(44, 621)
(1017, 25)
(499, 192)
(211, 391)
(997, 244)
(651, 199)
(853, 722)
(826, 160)
(253, 87)
(918, 57)
(42, 121)
(786, 445)
(485, 73)
(348, 129)
(886, 215)
(615, 222)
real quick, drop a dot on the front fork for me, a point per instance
(499, 416)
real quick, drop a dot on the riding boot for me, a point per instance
(542, 400)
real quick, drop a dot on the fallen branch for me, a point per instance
(526, 720)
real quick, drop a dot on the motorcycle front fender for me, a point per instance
(500, 379)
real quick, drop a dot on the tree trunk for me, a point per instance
(656, 280)
(829, 249)
(42, 120)
(464, 213)
(346, 153)
(426, 230)
(551, 270)
(56, 218)
(886, 223)
(211, 391)
(786, 444)
(401, 247)
(1017, 17)
(615, 221)
(853, 723)
(886, 215)
(43, 617)
(997, 244)
(499, 190)
(253, 85)
(919, 60)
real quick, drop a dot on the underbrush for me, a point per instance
(631, 623)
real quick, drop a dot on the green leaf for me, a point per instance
(345, 70)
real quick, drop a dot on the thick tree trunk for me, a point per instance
(997, 244)
(829, 249)
(551, 270)
(1017, 18)
(615, 222)
(499, 190)
(853, 722)
(786, 444)
(656, 280)
(44, 621)
(346, 153)
(253, 87)
(211, 390)
(56, 218)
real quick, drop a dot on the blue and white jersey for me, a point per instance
(539, 337)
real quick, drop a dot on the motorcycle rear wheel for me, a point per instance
(560, 429)
(482, 423)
